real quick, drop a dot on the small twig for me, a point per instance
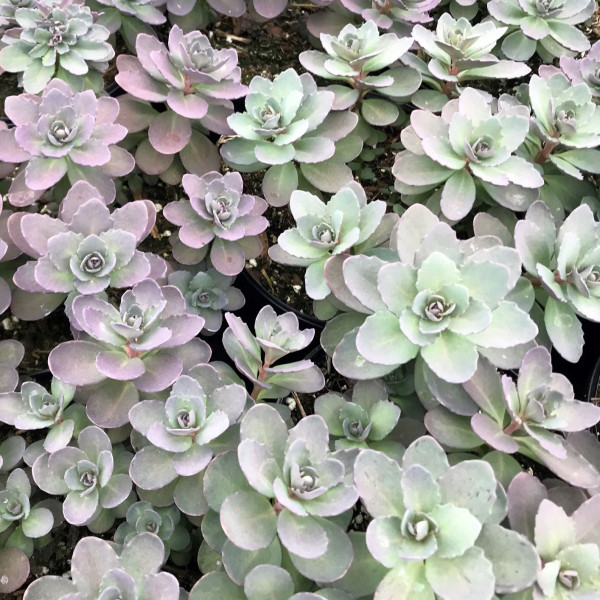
(230, 36)
(268, 279)
(155, 234)
(299, 404)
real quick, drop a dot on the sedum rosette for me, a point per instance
(364, 60)
(546, 27)
(59, 40)
(208, 294)
(347, 223)
(220, 217)
(90, 475)
(24, 522)
(436, 526)
(565, 264)
(86, 250)
(469, 143)
(63, 133)
(138, 343)
(196, 83)
(289, 120)
(565, 127)
(132, 571)
(183, 430)
(437, 300)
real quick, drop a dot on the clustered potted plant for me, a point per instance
(430, 452)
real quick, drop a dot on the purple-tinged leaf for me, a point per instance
(169, 132)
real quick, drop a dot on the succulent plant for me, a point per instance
(165, 522)
(35, 408)
(220, 217)
(461, 52)
(396, 15)
(546, 27)
(345, 224)
(351, 57)
(86, 250)
(129, 17)
(566, 125)
(564, 265)
(208, 293)
(63, 133)
(289, 120)
(26, 522)
(131, 572)
(290, 487)
(58, 39)
(90, 476)
(11, 454)
(142, 342)
(365, 420)
(529, 416)
(584, 70)
(11, 354)
(277, 336)
(436, 527)
(568, 549)
(261, 580)
(431, 301)
(199, 409)
(196, 82)
(468, 143)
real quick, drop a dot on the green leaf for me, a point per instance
(365, 572)
(458, 195)
(564, 329)
(38, 523)
(510, 326)
(249, 520)
(328, 176)
(379, 112)
(348, 361)
(381, 341)
(470, 484)
(279, 182)
(514, 559)
(152, 468)
(452, 357)
(268, 582)
(467, 577)
(518, 47)
(458, 530)
(222, 478)
(377, 479)
(334, 563)
(405, 582)
(412, 169)
(303, 536)
(585, 159)
(451, 430)
(216, 585)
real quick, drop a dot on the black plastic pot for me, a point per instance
(585, 373)
(257, 296)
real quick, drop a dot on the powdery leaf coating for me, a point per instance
(432, 514)
(565, 264)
